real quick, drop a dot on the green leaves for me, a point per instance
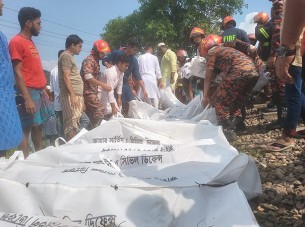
(169, 21)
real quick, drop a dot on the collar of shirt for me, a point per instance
(121, 74)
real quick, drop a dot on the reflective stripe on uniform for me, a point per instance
(265, 34)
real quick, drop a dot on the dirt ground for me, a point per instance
(282, 173)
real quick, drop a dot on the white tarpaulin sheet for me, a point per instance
(136, 173)
(192, 112)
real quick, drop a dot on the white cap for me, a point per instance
(161, 44)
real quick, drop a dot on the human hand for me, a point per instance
(73, 101)
(114, 110)
(30, 107)
(51, 97)
(145, 94)
(134, 92)
(161, 85)
(271, 62)
(282, 68)
(205, 102)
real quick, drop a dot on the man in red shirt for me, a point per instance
(34, 106)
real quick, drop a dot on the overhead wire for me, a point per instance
(50, 34)
(40, 41)
(59, 24)
(43, 33)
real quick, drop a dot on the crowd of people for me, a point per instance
(224, 70)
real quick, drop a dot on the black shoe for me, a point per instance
(270, 104)
(238, 124)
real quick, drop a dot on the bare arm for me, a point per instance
(29, 104)
(293, 23)
(277, 15)
(207, 83)
(141, 83)
(119, 100)
(96, 82)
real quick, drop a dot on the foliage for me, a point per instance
(169, 21)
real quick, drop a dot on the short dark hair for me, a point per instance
(231, 22)
(27, 13)
(73, 39)
(133, 43)
(123, 59)
(148, 47)
(60, 52)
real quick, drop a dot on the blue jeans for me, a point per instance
(295, 100)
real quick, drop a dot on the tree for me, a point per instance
(170, 21)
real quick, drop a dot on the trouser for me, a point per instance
(59, 123)
(295, 99)
(232, 95)
(94, 109)
(84, 121)
(278, 93)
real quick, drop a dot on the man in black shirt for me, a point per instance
(230, 32)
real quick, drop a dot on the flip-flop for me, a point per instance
(300, 134)
(279, 147)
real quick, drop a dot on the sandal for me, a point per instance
(279, 147)
(300, 134)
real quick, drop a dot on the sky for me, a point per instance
(87, 19)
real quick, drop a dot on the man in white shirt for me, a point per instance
(151, 75)
(113, 76)
(54, 89)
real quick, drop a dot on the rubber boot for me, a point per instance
(228, 130)
(238, 124)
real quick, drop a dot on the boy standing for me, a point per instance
(71, 86)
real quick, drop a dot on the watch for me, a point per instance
(283, 51)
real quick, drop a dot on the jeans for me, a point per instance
(295, 100)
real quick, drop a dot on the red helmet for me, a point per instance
(261, 18)
(208, 42)
(182, 53)
(101, 46)
(197, 31)
(226, 20)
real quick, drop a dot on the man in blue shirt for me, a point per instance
(10, 126)
(133, 69)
